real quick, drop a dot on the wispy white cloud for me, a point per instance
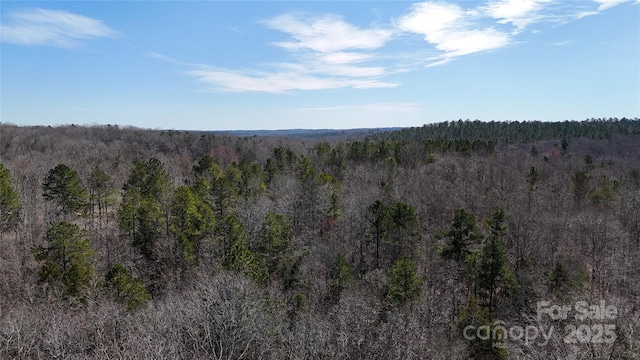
(41, 27)
(375, 107)
(342, 57)
(327, 53)
(562, 43)
(457, 31)
(155, 55)
(452, 30)
(606, 4)
(231, 28)
(519, 13)
(602, 6)
(326, 34)
(224, 80)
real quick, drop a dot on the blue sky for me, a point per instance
(221, 65)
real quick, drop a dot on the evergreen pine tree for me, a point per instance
(9, 201)
(63, 187)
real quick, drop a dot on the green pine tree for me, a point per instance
(101, 191)
(125, 288)
(242, 259)
(9, 202)
(495, 276)
(532, 180)
(145, 207)
(67, 259)
(191, 221)
(63, 187)
(581, 187)
(403, 282)
(236, 253)
(405, 230)
(473, 317)
(277, 240)
(379, 217)
(460, 236)
(340, 276)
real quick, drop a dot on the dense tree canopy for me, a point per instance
(201, 245)
(517, 131)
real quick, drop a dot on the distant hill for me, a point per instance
(308, 133)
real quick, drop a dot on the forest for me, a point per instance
(455, 240)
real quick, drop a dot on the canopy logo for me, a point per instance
(596, 331)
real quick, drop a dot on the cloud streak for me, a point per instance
(223, 80)
(375, 107)
(326, 34)
(452, 30)
(519, 13)
(606, 4)
(457, 32)
(41, 27)
(326, 52)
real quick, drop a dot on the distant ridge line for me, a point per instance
(305, 133)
